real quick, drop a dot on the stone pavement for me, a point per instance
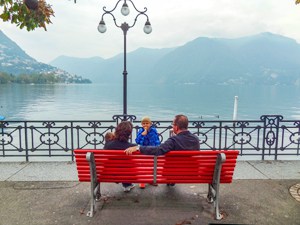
(48, 193)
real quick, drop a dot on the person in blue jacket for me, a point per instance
(147, 136)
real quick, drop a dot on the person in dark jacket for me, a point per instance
(121, 142)
(183, 140)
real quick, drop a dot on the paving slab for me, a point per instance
(278, 169)
(45, 171)
(8, 170)
(245, 170)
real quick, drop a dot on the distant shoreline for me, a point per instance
(6, 78)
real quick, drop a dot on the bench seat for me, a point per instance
(180, 167)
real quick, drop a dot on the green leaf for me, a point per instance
(15, 7)
(5, 16)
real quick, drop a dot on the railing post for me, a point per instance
(72, 141)
(220, 135)
(270, 138)
(26, 141)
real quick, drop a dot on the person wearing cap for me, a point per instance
(147, 136)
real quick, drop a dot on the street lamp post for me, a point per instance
(125, 27)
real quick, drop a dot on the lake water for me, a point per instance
(101, 101)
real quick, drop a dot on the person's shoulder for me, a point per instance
(192, 134)
(182, 133)
(109, 144)
(118, 145)
(187, 132)
(153, 129)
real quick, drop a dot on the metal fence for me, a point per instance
(269, 138)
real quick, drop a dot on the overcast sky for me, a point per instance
(74, 29)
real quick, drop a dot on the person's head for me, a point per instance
(180, 123)
(123, 131)
(146, 122)
(109, 136)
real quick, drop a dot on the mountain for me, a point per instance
(86, 67)
(13, 60)
(264, 58)
(100, 70)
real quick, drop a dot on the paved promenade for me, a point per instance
(262, 193)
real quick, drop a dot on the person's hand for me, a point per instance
(172, 133)
(130, 150)
(145, 132)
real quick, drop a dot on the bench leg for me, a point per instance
(211, 194)
(95, 185)
(213, 189)
(213, 197)
(95, 196)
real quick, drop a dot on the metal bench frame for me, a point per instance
(213, 186)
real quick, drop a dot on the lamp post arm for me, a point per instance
(112, 17)
(110, 11)
(145, 9)
(137, 17)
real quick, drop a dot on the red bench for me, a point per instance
(181, 167)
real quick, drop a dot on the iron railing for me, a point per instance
(270, 137)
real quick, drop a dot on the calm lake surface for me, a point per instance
(101, 101)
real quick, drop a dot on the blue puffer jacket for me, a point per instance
(151, 139)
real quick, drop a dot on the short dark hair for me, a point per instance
(181, 121)
(123, 131)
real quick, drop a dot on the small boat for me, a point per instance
(2, 117)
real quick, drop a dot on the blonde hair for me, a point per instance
(146, 119)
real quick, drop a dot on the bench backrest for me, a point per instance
(174, 167)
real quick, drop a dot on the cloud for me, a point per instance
(74, 29)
